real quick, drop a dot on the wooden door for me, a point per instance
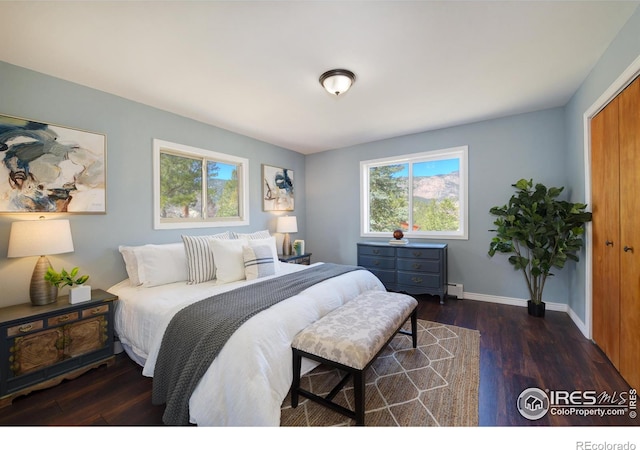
(606, 235)
(630, 234)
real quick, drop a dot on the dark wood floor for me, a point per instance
(517, 352)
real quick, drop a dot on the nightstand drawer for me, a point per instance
(63, 318)
(95, 311)
(25, 328)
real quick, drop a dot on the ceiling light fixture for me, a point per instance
(337, 81)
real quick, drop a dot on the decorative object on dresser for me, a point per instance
(286, 225)
(41, 346)
(304, 259)
(411, 268)
(52, 168)
(398, 236)
(78, 292)
(277, 194)
(40, 238)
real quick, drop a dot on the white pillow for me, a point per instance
(271, 242)
(200, 258)
(263, 234)
(258, 261)
(131, 263)
(228, 258)
(161, 264)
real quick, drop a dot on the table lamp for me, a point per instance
(286, 225)
(40, 238)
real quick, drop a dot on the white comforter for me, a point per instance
(248, 381)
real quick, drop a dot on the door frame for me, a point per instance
(625, 78)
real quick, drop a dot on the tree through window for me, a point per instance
(423, 194)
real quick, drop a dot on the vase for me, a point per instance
(79, 294)
(536, 309)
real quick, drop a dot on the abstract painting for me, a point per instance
(51, 168)
(277, 188)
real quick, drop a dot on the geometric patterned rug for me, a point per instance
(435, 384)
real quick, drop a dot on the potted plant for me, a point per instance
(78, 291)
(541, 232)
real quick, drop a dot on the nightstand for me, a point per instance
(304, 259)
(42, 345)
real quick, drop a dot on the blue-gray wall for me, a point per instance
(623, 51)
(545, 145)
(130, 128)
(500, 153)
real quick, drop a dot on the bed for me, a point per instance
(250, 377)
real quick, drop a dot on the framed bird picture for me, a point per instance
(51, 168)
(277, 189)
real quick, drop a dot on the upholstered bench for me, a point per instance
(350, 338)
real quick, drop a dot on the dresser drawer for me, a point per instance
(418, 280)
(374, 262)
(419, 265)
(423, 253)
(375, 251)
(388, 277)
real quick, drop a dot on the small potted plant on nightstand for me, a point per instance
(78, 290)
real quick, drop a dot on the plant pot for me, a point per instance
(535, 309)
(79, 294)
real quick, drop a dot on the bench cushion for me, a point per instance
(354, 333)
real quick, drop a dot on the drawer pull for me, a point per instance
(63, 318)
(376, 263)
(417, 254)
(376, 251)
(25, 328)
(417, 265)
(95, 311)
(416, 279)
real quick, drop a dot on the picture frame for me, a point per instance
(298, 243)
(51, 168)
(277, 189)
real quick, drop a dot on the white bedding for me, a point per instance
(248, 381)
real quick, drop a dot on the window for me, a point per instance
(423, 194)
(196, 188)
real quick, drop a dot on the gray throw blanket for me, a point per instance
(197, 333)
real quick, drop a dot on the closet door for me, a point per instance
(605, 166)
(629, 124)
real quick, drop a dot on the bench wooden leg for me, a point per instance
(295, 385)
(414, 327)
(358, 393)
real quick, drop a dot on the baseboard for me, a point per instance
(512, 301)
(551, 306)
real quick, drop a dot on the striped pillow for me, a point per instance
(258, 261)
(263, 234)
(200, 257)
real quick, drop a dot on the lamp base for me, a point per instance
(41, 291)
(286, 245)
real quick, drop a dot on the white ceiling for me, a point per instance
(252, 67)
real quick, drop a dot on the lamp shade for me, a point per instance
(337, 81)
(39, 237)
(287, 224)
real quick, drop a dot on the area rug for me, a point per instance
(434, 385)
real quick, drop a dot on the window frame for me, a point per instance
(160, 146)
(461, 153)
